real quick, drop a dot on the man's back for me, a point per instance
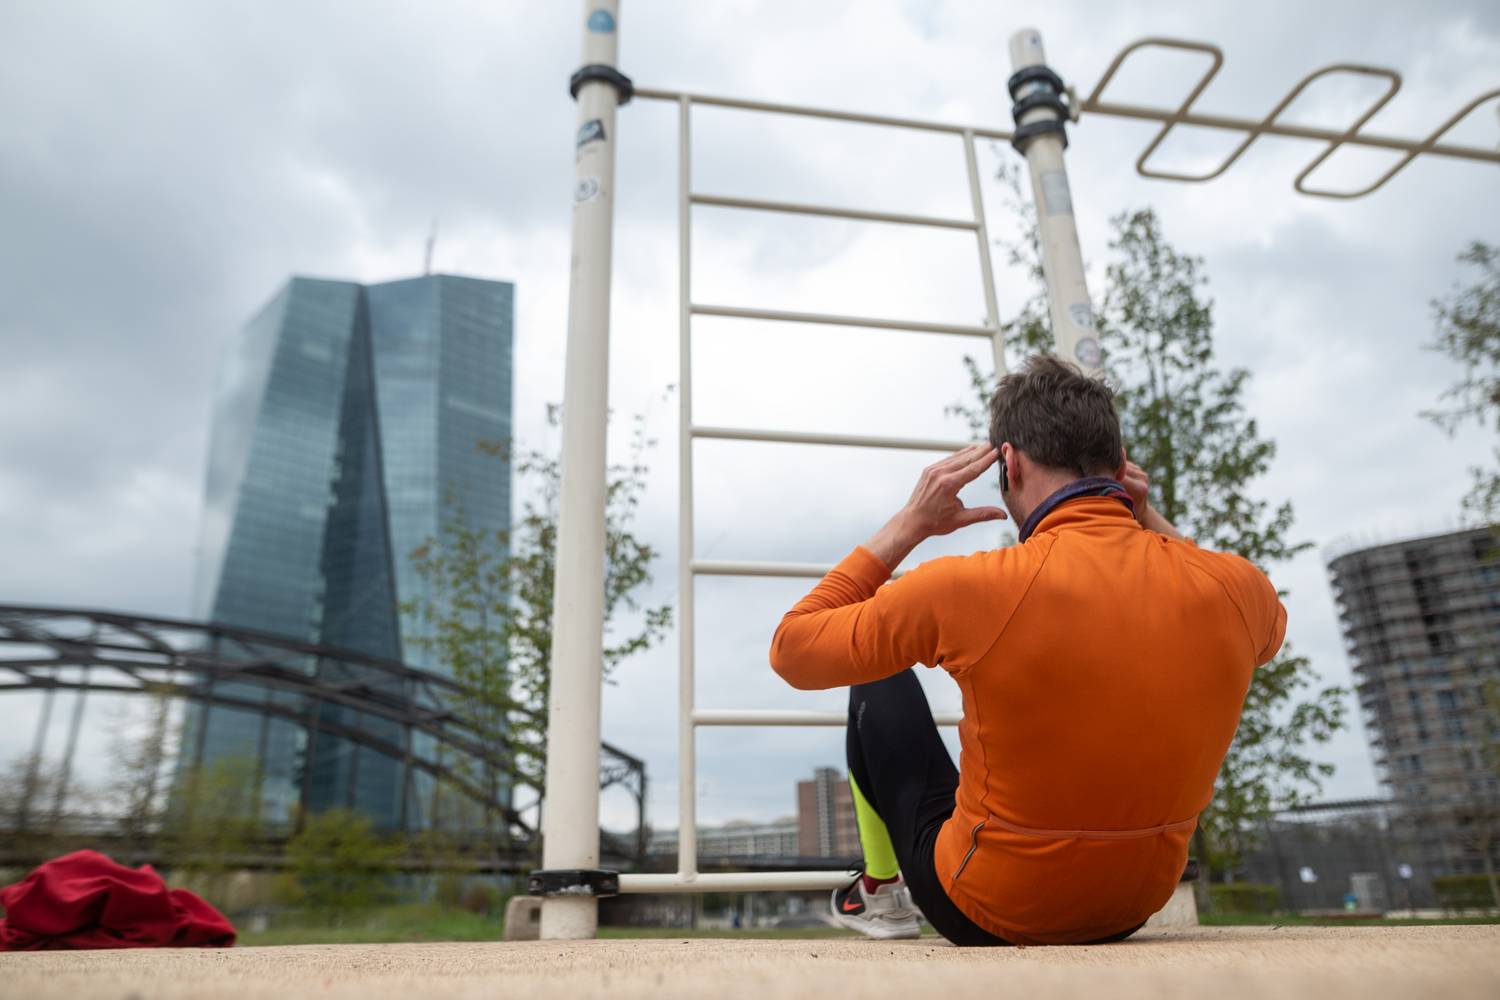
(1102, 667)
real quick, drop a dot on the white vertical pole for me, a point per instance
(986, 266)
(1062, 261)
(571, 822)
(687, 804)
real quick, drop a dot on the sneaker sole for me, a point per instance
(873, 929)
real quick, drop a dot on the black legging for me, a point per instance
(903, 769)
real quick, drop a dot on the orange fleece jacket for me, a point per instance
(1102, 668)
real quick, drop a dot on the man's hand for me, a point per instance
(1138, 485)
(934, 507)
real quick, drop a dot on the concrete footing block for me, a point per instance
(1181, 910)
(523, 918)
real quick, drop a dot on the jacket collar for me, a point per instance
(1094, 486)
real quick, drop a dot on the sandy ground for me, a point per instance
(1202, 964)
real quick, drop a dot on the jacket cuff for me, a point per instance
(866, 569)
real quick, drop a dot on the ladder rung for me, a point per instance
(844, 440)
(832, 319)
(705, 567)
(733, 882)
(799, 208)
(723, 567)
(772, 717)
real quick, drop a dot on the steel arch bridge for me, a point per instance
(105, 652)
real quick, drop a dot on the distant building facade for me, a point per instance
(826, 827)
(1421, 622)
(735, 839)
(347, 418)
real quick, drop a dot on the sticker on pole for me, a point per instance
(590, 131)
(1056, 198)
(587, 189)
(601, 22)
(1087, 352)
(1081, 315)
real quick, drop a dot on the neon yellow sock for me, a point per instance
(880, 856)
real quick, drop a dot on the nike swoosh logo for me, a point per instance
(851, 909)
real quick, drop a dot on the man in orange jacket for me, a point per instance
(1102, 662)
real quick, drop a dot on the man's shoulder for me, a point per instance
(989, 564)
(1215, 561)
(1240, 578)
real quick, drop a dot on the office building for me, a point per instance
(347, 427)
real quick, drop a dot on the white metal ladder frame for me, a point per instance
(690, 717)
(571, 837)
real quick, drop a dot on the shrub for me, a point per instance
(1463, 892)
(338, 865)
(1244, 897)
(482, 899)
(449, 893)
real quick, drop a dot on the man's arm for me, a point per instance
(934, 507)
(1152, 520)
(1138, 485)
(850, 629)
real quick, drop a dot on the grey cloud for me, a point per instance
(165, 166)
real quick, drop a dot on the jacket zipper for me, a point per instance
(973, 846)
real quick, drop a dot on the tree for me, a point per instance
(1468, 331)
(209, 824)
(137, 765)
(338, 865)
(488, 610)
(1184, 422)
(28, 783)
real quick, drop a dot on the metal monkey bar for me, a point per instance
(1252, 129)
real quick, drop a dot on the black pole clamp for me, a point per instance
(573, 882)
(1035, 74)
(624, 88)
(1045, 89)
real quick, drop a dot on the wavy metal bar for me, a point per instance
(1391, 76)
(1429, 145)
(1213, 70)
(1269, 125)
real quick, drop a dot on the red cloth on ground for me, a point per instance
(86, 900)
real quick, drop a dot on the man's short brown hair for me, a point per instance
(1058, 416)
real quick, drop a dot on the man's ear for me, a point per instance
(1011, 458)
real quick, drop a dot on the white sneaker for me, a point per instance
(885, 914)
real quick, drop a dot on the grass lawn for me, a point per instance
(765, 933)
(389, 924)
(1296, 920)
(429, 923)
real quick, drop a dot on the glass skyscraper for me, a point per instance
(347, 420)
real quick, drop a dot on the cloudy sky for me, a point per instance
(165, 166)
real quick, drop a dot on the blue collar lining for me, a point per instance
(1092, 486)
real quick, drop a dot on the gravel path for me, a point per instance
(1205, 963)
